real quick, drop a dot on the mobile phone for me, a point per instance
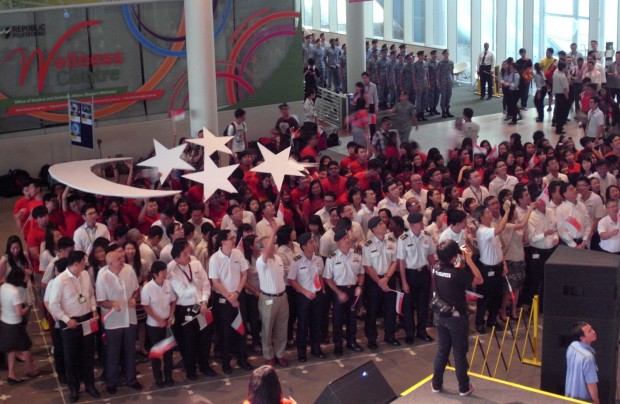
(196, 308)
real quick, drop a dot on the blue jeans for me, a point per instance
(453, 333)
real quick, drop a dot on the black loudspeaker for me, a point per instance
(556, 339)
(365, 384)
(582, 283)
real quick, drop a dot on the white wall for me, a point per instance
(30, 152)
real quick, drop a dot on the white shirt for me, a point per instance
(498, 184)
(547, 179)
(577, 211)
(449, 234)
(488, 59)
(612, 244)
(190, 283)
(415, 250)
(228, 269)
(263, 228)
(379, 254)
(421, 196)
(594, 121)
(397, 208)
(479, 194)
(323, 214)
(594, 206)
(537, 225)
(148, 254)
(165, 254)
(271, 275)
(65, 297)
(248, 217)
(471, 130)
(490, 246)
(84, 236)
(327, 245)
(50, 271)
(117, 288)
(239, 133)
(605, 182)
(343, 268)
(364, 215)
(304, 271)
(10, 296)
(158, 298)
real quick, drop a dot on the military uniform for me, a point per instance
(397, 72)
(406, 79)
(420, 83)
(371, 66)
(433, 91)
(391, 76)
(382, 83)
(445, 69)
(319, 58)
(332, 59)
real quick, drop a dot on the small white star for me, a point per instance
(212, 143)
(213, 178)
(278, 165)
(167, 160)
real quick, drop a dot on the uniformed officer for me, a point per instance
(319, 58)
(406, 77)
(382, 78)
(332, 59)
(445, 77)
(452, 323)
(415, 253)
(191, 286)
(433, 90)
(380, 264)
(228, 273)
(371, 65)
(345, 277)
(420, 85)
(397, 69)
(305, 276)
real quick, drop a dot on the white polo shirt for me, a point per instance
(119, 289)
(228, 269)
(158, 298)
(271, 275)
(343, 268)
(415, 249)
(304, 271)
(489, 245)
(379, 254)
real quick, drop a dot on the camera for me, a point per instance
(442, 307)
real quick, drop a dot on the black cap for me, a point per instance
(340, 233)
(283, 105)
(433, 51)
(415, 218)
(374, 222)
(444, 52)
(304, 238)
(402, 46)
(420, 53)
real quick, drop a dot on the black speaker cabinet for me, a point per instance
(365, 384)
(582, 283)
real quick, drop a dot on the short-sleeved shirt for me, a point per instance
(490, 246)
(228, 269)
(271, 275)
(449, 234)
(415, 249)
(612, 244)
(239, 133)
(343, 268)
(305, 271)
(450, 284)
(580, 370)
(158, 298)
(119, 289)
(379, 254)
(560, 82)
(10, 296)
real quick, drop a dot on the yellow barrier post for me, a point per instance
(533, 316)
(514, 342)
(484, 364)
(501, 348)
(473, 354)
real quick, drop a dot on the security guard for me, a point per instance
(445, 77)
(420, 85)
(345, 277)
(433, 90)
(380, 264)
(382, 76)
(451, 281)
(414, 253)
(305, 276)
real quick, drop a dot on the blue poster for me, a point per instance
(81, 120)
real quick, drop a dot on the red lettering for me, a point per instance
(96, 60)
(59, 63)
(107, 58)
(118, 58)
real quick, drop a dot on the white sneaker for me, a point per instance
(434, 390)
(468, 392)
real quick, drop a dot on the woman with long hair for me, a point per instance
(13, 258)
(265, 388)
(290, 212)
(314, 201)
(252, 290)
(49, 248)
(437, 224)
(433, 201)
(315, 227)
(252, 205)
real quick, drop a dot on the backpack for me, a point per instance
(333, 139)
(549, 73)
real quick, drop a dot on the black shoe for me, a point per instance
(92, 391)
(169, 382)
(489, 97)
(62, 380)
(425, 337)
(372, 345)
(192, 377)
(319, 354)
(560, 132)
(512, 123)
(136, 386)
(480, 328)
(539, 119)
(409, 340)
(548, 109)
(443, 114)
(355, 347)
(448, 114)
(226, 368)
(302, 358)
(392, 341)
(435, 111)
(482, 97)
(110, 390)
(14, 381)
(338, 351)
(74, 396)
(245, 365)
(208, 371)
(159, 383)
(421, 118)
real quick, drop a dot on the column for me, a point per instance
(528, 34)
(356, 46)
(201, 66)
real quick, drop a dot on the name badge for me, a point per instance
(535, 256)
(268, 302)
(81, 299)
(490, 273)
(188, 318)
(222, 300)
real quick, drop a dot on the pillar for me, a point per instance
(356, 43)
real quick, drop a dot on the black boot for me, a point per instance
(443, 113)
(421, 117)
(435, 111)
(448, 114)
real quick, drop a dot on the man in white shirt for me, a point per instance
(264, 227)
(239, 131)
(475, 190)
(166, 217)
(470, 129)
(159, 301)
(197, 218)
(369, 209)
(417, 191)
(148, 248)
(608, 229)
(603, 175)
(573, 222)
(117, 291)
(455, 138)
(486, 62)
(85, 235)
(357, 235)
(595, 121)
(552, 167)
(329, 202)
(392, 200)
(174, 232)
(593, 202)
(502, 180)
(457, 228)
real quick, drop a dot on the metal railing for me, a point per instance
(332, 107)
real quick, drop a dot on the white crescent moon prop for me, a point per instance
(79, 175)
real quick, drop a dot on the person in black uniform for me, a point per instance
(450, 314)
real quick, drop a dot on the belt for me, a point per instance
(85, 317)
(492, 266)
(418, 269)
(578, 240)
(271, 294)
(382, 276)
(346, 286)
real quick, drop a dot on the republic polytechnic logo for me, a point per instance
(22, 31)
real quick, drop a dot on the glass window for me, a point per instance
(377, 19)
(463, 36)
(342, 16)
(324, 14)
(440, 21)
(611, 22)
(584, 8)
(398, 31)
(307, 18)
(487, 23)
(564, 23)
(559, 7)
(419, 18)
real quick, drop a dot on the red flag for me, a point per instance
(399, 303)
(573, 225)
(472, 296)
(533, 161)
(177, 114)
(238, 324)
(206, 319)
(544, 196)
(105, 316)
(158, 350)
(494, 153)
(512, 293)
(296, 133)
(479, 150)
(317, 282)
(90, 326)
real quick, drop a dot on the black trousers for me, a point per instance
(491, 290)
(79, 355)
(512, 100)
(416, 300)
(380, 301)
(59, 353)
(539, 103)
(291, 295)
(120, 342)
(195, 344)
(154, 335)
(309, 321)
(344, 315)
(524, 92)
(562, 108)
(230, 340)
(486, 79)
(535, 279)
(252, 316)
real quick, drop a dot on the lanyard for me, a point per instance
(189, 277)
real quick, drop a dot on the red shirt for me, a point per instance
(345, 162)
(311, 206)
(22, 203)
(299, 195)
(364, 182)
(148, 222)
(195, 194)
(35, 237)
(357, 167)
(130, 212)
(336, 187)
(309, 151)
(72, 222)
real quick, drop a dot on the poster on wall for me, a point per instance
(81, 118)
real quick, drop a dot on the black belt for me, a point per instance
(346, 286)
(382, 276)
(578, 240)
(83, 318)
(492, 266)
(272, 295)
(418, 269)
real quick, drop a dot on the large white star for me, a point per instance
(212, 143)
(167, 160)
(213, 178)
(278, 165)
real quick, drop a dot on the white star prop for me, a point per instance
(278, 165)
(212, 143)
(167, 160)
(213, 178)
